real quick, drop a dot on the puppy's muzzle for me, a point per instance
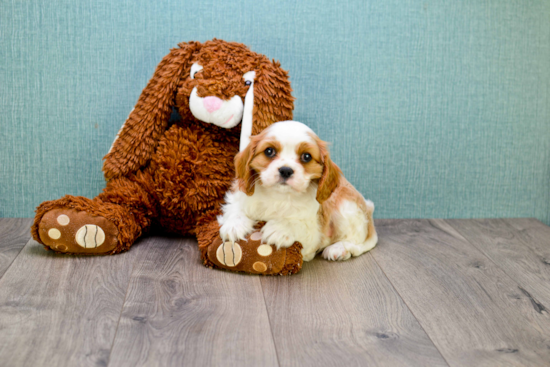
(286, 172)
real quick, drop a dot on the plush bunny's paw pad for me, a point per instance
(229, 254)
(71, 231)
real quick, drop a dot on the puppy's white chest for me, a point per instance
(289, 218)
(265, 205)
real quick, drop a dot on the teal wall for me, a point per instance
(435, 108)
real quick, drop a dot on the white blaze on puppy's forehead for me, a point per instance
(291, 133)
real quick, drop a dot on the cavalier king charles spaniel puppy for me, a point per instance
(286, 178)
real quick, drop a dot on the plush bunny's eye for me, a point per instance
(249, 78)
(195, 68)
(270, 152)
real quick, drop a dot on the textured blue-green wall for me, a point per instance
(435, 108)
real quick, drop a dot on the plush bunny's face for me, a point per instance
(218, 96)
(223, 83)
(219, 88)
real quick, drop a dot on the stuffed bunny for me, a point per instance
(174, 175)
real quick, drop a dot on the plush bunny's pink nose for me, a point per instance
(212, 103)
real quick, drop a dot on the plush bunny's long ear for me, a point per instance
(267, 101)
(138, 137)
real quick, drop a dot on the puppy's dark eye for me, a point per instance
(270, 152)
(248, 82)
(306, 157)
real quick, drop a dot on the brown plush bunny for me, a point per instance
(174, 176)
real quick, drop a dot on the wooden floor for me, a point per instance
(432, 293)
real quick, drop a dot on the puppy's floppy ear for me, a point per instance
(246, 176)
(330, 177)
(138, 137)
(272, 99)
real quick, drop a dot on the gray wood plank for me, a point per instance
(504, 244)
(473, 312)
(535, 235)
(179, 313)
(61, 310)
(344, 314)
(14, 234)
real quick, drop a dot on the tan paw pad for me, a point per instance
(229, 254)
(259, 266)
(90, 236)
(54, 234)
(63, 220)
(265, 250)
(256, 236)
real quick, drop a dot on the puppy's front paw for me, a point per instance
(276, 233)
(236, 229)
(336, 252)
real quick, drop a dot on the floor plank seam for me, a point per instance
(533, 300)
(269, 322)
(410, 310)
(11, 263)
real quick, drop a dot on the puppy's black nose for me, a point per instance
(286, 172)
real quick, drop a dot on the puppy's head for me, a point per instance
(287, 157)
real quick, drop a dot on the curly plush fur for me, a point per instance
(175, 176)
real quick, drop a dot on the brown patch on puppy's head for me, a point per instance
(313, 167)
(253, 160)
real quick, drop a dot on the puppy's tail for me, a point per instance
(372, 236)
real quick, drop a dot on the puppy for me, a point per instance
(286, 178)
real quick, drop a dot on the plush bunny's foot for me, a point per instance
(78, 225)
(253, 256)
(77, 232)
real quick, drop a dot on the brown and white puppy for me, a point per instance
(286, 178)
